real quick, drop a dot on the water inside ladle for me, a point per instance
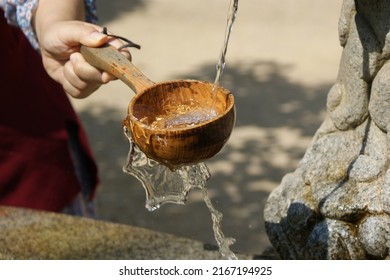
(170, 122)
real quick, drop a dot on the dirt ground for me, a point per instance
(282, 59)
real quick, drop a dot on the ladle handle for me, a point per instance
(109, 59)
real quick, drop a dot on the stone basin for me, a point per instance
(31, 234)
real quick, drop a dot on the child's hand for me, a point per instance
(60, 46)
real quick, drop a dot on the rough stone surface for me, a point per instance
(29, 234)
(336, 205)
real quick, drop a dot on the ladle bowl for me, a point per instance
(175, 123)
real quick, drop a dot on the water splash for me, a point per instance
(165, 186)
(160, 183)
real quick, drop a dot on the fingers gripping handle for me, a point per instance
(109, 59)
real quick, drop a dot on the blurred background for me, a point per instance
(282, 59)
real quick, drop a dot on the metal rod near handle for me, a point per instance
(109, 59)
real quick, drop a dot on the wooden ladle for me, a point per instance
(171, 122)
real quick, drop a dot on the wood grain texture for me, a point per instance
(173, 146)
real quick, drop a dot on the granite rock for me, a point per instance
(336, 204)
(31, 234)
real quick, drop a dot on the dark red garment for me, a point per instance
(36, 166)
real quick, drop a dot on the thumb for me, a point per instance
(87, 34)
(93, 39)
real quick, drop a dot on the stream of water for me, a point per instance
(232, 14)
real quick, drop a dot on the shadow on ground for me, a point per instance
(276, 119)
(111, 10)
